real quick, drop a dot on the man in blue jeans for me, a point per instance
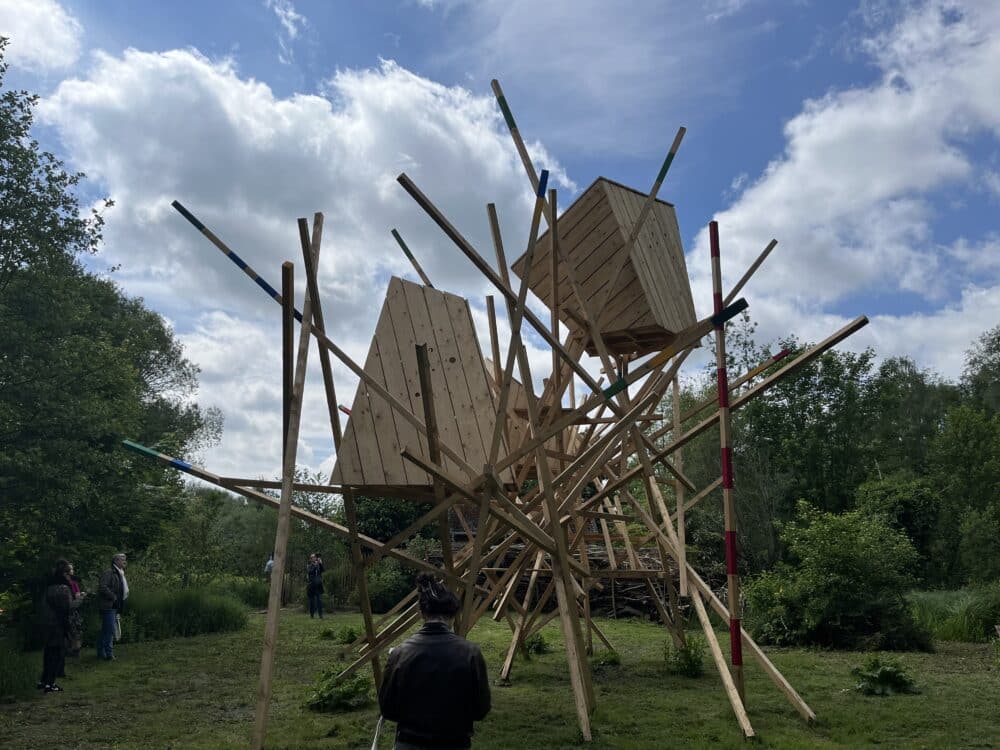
(112, 592)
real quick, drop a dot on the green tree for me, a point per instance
(40, 221)
(910, 505)
(81, 366)
(981, 376)
(842, 585)
(965, 468)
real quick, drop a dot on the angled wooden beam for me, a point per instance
(413, 261)
(284, 518)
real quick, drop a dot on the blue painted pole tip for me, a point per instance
(543, 181)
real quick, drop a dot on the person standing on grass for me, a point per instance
(435, 684)
(112, 592)
(57, 603)
(268, 567)
(314, 584)
(74, 625)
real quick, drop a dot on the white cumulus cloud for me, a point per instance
(153, 127)
(43, 35)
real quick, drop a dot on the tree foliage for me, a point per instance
(842, 585)
(81, 366)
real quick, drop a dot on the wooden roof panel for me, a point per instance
(375, 433)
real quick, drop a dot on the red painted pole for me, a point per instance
(726, 444)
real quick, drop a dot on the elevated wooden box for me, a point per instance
(652, 297)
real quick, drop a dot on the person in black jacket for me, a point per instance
(57, 603)
(314, 584)
(435, 684)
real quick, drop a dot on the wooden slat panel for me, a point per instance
(651, 281)
(403, 381)
(387, 441)
(450, 358)
(423, 331)
(474, 367)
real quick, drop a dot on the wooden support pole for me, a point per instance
(579, 667)
(750, 272)
(434, 449)
(726, 459)
(412, 259)
(310, 256)
(287, 347)
(735, 699)
(284, 523)
(679, 491)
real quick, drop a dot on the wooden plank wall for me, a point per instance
(658, 257)
(652, 296)
(591, 236)
(466, 412)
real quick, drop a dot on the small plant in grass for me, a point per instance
(879, 676)
(689, 659)
(605, 659)
(330, 696)
(343, 635)
(535, 645)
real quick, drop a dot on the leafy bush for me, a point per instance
(154, 615)
(18, 670)
(842, 588)
(535, 644)
(344, 635)
(978, 548)
(963, 615)
(878, 676)
(387, 584)
(331, 696)
(689, 659)
(251, 591)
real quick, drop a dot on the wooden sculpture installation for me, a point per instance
(547, 478)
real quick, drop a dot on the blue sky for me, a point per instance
(862, 135)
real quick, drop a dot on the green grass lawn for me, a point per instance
(199, 693)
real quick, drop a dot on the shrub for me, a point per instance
(387, 584)
(878, 676)
(978, 548)
(331, 696)
(842, 588)
(535, 644)
(963, 615)
(251, 591)
(343, 635)
(689, 659)
(18, 670)
(154, 615)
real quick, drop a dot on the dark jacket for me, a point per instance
(57, 603)
(434, 686)
(314, 576)
(110, 590)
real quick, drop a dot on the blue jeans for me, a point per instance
(106, 643)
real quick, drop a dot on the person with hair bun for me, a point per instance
(435, 683)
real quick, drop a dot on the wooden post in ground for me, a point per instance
(434, 451)
(726, 456)
(281, 537)
(287, 346)
(679, 491)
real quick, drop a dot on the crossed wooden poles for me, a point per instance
(543, 528)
